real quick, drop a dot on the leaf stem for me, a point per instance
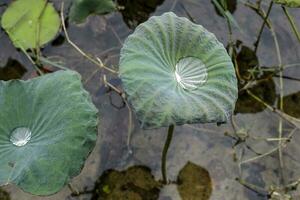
(164, 153)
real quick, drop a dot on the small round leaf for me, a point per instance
(30, 23)
(176, 72)
(81, 9)
(48, 126)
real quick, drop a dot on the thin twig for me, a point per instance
(280, 67)
(282, 145)
(99, 64)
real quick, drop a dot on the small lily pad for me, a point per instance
(291, 104)
(81, 9)
(264, 87)
(289, 3)
(176, 72)
(130, 15)
(227, 5)
(194, 182)
(135, 183)
(30, 23)
(48, 126)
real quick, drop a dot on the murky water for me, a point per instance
(203, 145)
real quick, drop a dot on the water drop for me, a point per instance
(190, 73)
(20, 136)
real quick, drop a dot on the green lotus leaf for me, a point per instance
(289, 3)
(81, 9)
(48, 126)
(176, 72)
(30, 23)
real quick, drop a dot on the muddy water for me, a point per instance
(203, 145)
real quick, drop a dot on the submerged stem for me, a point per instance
(263, 26)
(164, 153)
(292, 22)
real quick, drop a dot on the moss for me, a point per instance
(136, 183)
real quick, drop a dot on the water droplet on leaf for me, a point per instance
(190, 73)
(20, 136)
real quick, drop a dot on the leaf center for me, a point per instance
(190, 73)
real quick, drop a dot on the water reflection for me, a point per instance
(137, 11)
(12, 70)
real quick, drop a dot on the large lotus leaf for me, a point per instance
(48, 126)
(176, 72)
(30, 23)
(81, 9)
(289, 3)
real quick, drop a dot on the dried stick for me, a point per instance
(99, 64)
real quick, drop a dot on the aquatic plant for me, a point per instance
(48, 126)
(194, 181)
(81, 9)
(176, 72)
(30, 23)
(138, 181)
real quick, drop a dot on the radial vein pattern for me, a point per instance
(177, 72)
